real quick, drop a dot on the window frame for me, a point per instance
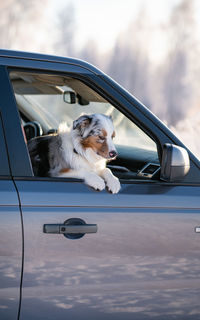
(4, 160)
(113, 96)
(6, 126)
(94, 87)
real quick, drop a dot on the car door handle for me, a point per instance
(73, 229)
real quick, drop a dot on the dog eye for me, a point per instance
(102, 138)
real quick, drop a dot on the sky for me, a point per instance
(104, 20)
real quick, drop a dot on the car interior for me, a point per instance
(46, 100)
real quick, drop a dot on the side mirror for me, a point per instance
(175, 163)
(69, 97)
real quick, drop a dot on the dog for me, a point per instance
(80, 152)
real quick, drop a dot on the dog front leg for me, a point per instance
(112, 182)
(90, 178)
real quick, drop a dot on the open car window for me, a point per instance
(44, 101)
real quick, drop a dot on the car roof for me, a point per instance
(48, 58)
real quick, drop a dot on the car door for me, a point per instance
(10, 229)
(136, 257)
(142, 261)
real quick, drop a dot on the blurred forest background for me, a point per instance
(169, 85)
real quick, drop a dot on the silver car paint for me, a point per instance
(10, 250)
(143, 262)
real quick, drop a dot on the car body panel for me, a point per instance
(10, 250)
(11, 261)
(144, 260)
(135, 194)
(17, 58)
(10, 235)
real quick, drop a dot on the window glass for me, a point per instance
(48, 100)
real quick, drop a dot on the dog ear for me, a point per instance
(82, 122)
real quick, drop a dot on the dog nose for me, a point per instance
(112, 154)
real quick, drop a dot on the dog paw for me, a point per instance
(113, 184)
(95, 182)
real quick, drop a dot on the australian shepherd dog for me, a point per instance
(80, 152)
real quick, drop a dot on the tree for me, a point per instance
(129, 61)
(18, 20)
(178, 78)
(65, 31)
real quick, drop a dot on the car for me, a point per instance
(70, 252)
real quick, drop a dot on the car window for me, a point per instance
(45, 101)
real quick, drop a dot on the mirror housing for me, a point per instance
(175, 163)
(69, 97)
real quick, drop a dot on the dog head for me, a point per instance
(96, 131)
